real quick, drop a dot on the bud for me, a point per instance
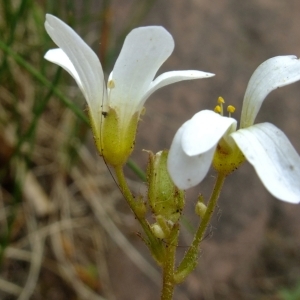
(200, 209)
(158, 231)
(165, 199)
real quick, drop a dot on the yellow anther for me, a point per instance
(221, 100)
(111, 84)
(218, 109)
(230, 109)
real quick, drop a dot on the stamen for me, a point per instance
(221, 101)
(218, 109)
(231, 110)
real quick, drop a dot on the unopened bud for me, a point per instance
(158, 232)
(200, 209)
(165, 198)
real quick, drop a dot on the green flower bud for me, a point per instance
(200, 209)
(158, 231)
(165, 199)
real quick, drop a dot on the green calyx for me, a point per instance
(117, 140)
(227, 159)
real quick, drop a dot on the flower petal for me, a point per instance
(274, 73)
(85, 62)
(172, 77)
(143, 52)
(274, 158)
(204, 131)
(187, 171)
(60, 58)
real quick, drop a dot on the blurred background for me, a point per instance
(65, 231)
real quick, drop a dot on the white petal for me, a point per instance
(187, 171)
(172, 77)
(143, 52)
(273, 73)
(274, 158)
(204, 131)
(60, 58)
(85, 62)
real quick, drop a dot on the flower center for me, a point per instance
(228, 156)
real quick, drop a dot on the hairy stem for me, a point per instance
(169, 264)
(189, 262)
(155, 245)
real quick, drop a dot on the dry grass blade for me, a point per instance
(102, 263)
(10, 288)
(34, 193)
(69, 273)
(37, 244)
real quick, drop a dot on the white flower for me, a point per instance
(130, 83)
(208, 137)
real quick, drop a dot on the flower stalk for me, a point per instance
(168, 266)
(154, 244)
(189, 261)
